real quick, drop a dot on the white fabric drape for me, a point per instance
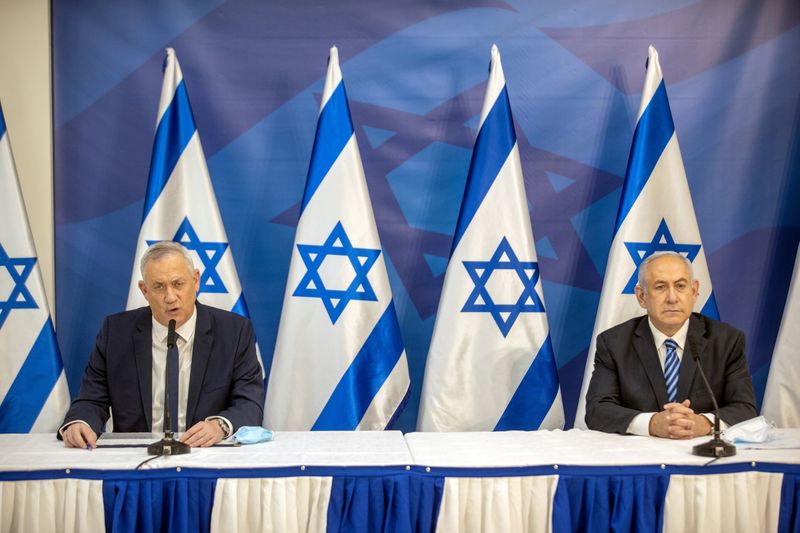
(60, 505)
(740, 502)
(294, 504)
(497, 504)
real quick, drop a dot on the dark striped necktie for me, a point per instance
(672, 366)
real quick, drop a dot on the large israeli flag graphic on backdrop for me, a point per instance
(180, 204)
(339, 361)
(33, 387)
(655, 215)
(491, 364)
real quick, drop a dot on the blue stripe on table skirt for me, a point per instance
(420, 470)
(610, 503)
(789, 515)
(150, 505)
(393, 503)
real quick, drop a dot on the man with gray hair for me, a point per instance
(219, 381)
(645, 379)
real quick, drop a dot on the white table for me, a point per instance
(508, 481)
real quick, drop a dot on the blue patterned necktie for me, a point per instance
(672, 366)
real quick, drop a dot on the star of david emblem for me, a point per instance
(480, 301)
(210, 254)
(312, 285)
(662, 242)
(19, 268)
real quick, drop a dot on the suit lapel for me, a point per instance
(645, 347)
(201, 353)
(695, 340)
(143, 355)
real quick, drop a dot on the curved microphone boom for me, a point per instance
(716, 447)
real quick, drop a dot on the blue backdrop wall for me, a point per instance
(415, 73)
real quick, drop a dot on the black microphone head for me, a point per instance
(171, 336)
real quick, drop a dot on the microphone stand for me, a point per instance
(168, 445)
(716, 447)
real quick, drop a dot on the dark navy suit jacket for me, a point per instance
(225, 375)
(628, 378)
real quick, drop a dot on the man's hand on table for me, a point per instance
(679, 421)
(79, 435)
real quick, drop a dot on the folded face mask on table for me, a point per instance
(252, 435)
(753, 430)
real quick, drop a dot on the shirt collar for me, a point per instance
(679, 337)
(186, 331)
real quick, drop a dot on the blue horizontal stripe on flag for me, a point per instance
(710, 308)
(365, 376)
(2, 124)
(334, 129)
(32, 386)
(495, 140)
(240, 307)
(534, 395)
(653, 132)
(174, 132)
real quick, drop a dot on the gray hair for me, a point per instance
(649, 259)
(161, 249)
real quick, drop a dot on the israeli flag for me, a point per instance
(33, 387)
(655, 215)
(180, 204)
(339, 361)
(781, 397)
(491, 364)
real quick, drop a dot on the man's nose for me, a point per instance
(672, 294)
(169, 295)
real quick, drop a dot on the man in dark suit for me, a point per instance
(640, 363)
(220, 387)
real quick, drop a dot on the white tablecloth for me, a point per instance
(573, 447)
(329, 448)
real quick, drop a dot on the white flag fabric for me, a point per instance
(655, 215)
(782, 395)
(491, 364)
(339, 361)
(180, 204)
(33, 387)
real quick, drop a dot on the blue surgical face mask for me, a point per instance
(252, 435)
(753, 430)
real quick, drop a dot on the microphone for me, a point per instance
(168, 445)
(716, 447)
(172, 337)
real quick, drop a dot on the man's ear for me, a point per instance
(143, 288)
(640, 297)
